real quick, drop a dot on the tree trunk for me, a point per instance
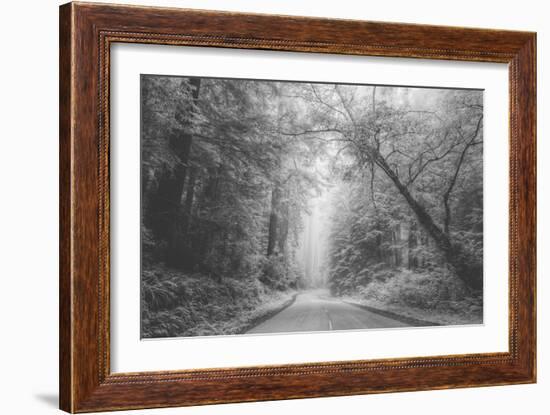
(404, 232)
(413, 244)
(273, 220)
(163, 206)
(188, 207)
(467, 270)
(283, 229)
(180, 143)
(188, 261)
(379, 252)
(209, 231)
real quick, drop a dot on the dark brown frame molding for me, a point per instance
(86, 33)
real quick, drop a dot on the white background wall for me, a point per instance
(28, 206)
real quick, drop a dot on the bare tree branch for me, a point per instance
(447, 194)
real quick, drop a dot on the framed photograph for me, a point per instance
(258, 207)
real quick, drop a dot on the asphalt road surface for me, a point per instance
(317, 311)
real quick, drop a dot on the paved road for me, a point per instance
(317, 311)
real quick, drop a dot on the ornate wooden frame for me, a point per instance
(86, 33)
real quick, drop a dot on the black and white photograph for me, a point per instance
(271, 206)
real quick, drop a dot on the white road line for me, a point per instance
(328, 318)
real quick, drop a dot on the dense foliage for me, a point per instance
(229, 167)
(412, 193)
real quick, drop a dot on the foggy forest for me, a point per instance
(271, 206)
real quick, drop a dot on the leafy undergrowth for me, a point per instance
(436, 296)
(174, 304)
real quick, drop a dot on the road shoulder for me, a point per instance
(404, 319)
(256, 321)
